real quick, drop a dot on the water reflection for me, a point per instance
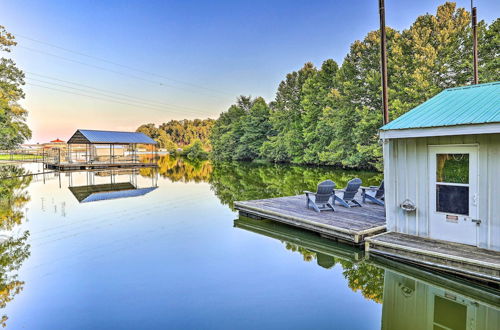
(416, 299)
(412, 298)
(13, 196)
(244, 181)
(13, 247)
(74, 242)
(178, 169)
(361, 276)
(121, 184)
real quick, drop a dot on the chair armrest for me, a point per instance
(309, 192)
(339, 190)
(369, 188)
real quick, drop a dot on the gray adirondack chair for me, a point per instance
(374, 194)
(320, 200)
(347, 195)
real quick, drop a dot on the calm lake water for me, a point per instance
(156, 250)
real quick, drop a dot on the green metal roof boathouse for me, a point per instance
(442, 179)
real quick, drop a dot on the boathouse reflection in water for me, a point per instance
(412, 298)
(122, 184)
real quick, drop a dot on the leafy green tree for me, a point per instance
(436, 53)
(195, 151)
(332, 115)
(164, 141)
(13, 128)
(286, 118)
(489, 52)
(228, 130)
(255, 127)
(179, 133)
(319, 96)
(149, 130)
(357, 117)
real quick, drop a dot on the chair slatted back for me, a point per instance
(352, 188)
(325, 191)
(380, 192)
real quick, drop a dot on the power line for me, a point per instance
(97, 98)
(140, 103)
(112, 92)
(157, 83)
(119, 64)
(96, 66)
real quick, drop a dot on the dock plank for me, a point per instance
(351, 224)
(448, 256)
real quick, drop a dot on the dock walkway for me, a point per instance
(95, 166)
(441, 255)
(350, 225)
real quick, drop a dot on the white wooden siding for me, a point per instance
(406, 176)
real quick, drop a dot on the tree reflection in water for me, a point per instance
(179, 169)
(13, 197)
(245, 180)
(363, 277)
(13, 250)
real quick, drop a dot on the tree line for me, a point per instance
(331, 115)
(180, 133)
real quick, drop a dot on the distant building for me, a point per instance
(57, 143)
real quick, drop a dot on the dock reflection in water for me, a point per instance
(121, 184)
(412, 298)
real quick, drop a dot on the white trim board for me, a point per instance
(441, 131)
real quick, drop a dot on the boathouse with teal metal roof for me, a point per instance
(442, 168)
(455, 111)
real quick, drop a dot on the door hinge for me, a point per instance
(477, 221)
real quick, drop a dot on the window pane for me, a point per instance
(452, 199)
(452, 168)
(449, 314)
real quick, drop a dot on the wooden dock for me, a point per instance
(445, 256)
(96, 166)
(350, 225)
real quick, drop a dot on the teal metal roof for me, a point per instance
(475, 104)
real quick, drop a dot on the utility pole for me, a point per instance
(383, 60)
(474, 42)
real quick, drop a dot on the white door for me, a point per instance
(453, 175)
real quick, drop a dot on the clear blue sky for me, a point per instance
(206, 52)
